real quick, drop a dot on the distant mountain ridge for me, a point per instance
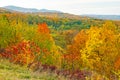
(46, 12)
(31, 10)
(41, 12)
(106, 17)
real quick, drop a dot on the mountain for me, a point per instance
(51, 13)
(106, 17)
(31, 10)
(2, 10)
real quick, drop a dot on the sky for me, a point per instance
(78, 7)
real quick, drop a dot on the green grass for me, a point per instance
(9, 71)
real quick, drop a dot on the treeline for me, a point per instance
(53, 22)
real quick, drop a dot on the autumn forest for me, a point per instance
(67, 48)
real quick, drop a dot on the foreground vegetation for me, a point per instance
(9, 71)
(74, 53)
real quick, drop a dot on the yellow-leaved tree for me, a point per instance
(101, 49)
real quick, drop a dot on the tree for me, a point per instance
(73, 56)
(43, 28)
(101, 51)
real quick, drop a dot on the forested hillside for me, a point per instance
(72, 48)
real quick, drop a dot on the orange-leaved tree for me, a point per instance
(21, 53)
(43, 28)
(49, 53)
(73, 57)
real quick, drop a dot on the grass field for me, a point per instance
(9, 71)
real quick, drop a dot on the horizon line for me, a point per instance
(60, 11)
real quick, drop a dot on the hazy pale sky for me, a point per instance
(70, 6)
